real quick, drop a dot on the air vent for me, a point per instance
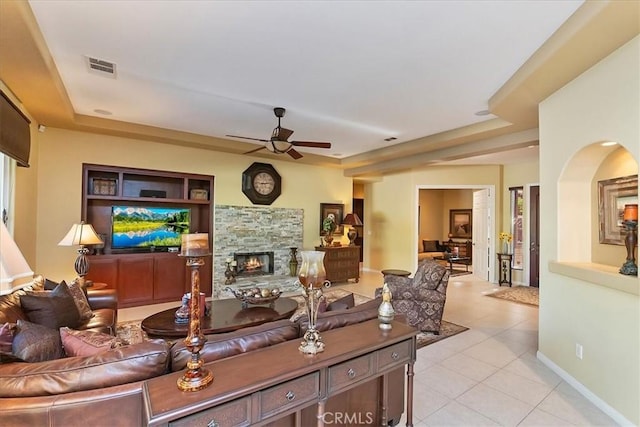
(102, 67)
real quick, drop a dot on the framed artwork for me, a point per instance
(334, 210)
(460, 223)
(613, 194)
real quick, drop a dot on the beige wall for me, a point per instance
(391, 209)
(600, 105)
(431, 224)
(62, 153)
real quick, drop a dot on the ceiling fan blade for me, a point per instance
(284, 134)
(254, 150)
(246, 137)
(293, 153)
(313, 144)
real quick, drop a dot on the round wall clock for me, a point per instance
(261, 183)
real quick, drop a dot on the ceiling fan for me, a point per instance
(279, 144)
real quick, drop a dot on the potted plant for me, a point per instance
(329, 226)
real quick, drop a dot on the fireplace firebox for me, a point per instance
(253, 263)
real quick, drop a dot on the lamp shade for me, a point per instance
(13, 266)
(81, 234)
(352, 219)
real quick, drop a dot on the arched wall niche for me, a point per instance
(578, 240)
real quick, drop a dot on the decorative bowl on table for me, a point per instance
(256, 296)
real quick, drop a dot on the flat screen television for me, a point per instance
(148, 228)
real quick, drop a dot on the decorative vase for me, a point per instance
(293, 262)
(312, 278)
(386, 313)
(328, 238)
(505, 247)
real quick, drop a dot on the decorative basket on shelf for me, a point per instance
(255, 296)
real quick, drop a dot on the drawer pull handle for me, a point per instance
(290, 396)
(213, 423)
(351, 373)
(394, 356)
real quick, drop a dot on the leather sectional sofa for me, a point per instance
(108, 388)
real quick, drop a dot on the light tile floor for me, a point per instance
(486, 376)
(489, 375)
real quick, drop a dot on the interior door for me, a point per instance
(480, 258)
(534, 236)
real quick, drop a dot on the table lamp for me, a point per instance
(14, 269)
(353, 221)
(81, 234)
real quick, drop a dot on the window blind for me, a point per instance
(15, 135)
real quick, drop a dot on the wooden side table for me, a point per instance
(504, 269)
(341, 262)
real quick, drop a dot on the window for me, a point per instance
(7, 166)
(517, 203)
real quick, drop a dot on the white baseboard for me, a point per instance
(588, 394)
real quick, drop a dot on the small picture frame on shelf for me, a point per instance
(198, 194)
(104, 186)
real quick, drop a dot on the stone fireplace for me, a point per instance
(250, 264)
(258, 230)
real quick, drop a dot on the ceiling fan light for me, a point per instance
(279, 147)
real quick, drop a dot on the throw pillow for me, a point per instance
(80, 298)
(52, 309)
(343, 303)
(36, 343)
(50, 285)
(430, 246)
(6, 336)
(86, 343)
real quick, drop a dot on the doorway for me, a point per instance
(482, 252)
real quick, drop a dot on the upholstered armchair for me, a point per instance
(421, 298)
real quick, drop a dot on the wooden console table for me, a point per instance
(281, 386)
(341, 262)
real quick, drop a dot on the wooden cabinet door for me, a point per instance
(169, 277)
(135, 284)
(103, 269)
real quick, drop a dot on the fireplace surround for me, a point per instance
(242, 229)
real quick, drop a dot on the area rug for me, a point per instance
(520, 294)
(447, 329)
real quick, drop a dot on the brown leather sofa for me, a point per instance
(108, 388)
(103, 303)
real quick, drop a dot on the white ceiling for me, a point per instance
(349, 72)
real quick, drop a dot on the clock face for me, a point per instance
(261, 183)
(264, 183)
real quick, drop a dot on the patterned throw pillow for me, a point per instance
(87, 343)
(36, 343)
(81, 301)
(52, 309)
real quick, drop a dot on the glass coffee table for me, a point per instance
(461, 260)
(226, 315)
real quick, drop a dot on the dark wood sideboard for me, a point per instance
(358, 379)
(341, 262)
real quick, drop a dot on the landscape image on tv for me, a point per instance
(147, 227)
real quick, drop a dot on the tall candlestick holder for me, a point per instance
(630, 268)
(312, 278)
(196, 377)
